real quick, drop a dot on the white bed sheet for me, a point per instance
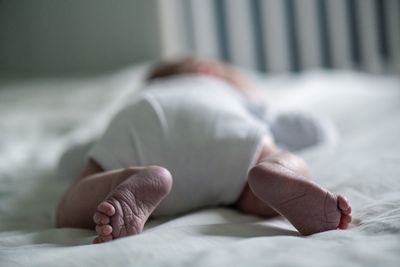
(38, 119)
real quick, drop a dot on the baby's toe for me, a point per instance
(103, 230)
(343, 205)
(345, 220)
(347, 211)
(100, 218)
(106, 208)
(96, 240)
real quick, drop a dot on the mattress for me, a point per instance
(41, 118)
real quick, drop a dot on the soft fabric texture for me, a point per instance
(39, 119)
(197, 128)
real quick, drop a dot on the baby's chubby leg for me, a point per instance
(283, 183)
(250, 203)
(116, 203)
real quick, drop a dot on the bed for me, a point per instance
(40, 118)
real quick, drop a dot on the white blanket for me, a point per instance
(38, 119)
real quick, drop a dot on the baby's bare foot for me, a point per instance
(126, 209)
(310, 208)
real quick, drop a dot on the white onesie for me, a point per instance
(195, 126)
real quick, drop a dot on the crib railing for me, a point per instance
(286, 35)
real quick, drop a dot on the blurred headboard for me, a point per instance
(53, 37)
(286, 35)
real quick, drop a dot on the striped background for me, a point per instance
(287, 35)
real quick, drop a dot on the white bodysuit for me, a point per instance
(195, 126)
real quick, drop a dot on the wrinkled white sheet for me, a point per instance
(38, 119)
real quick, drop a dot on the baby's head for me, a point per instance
(187, 65)
(194, 65)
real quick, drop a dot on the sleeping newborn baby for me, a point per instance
(196, 137)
